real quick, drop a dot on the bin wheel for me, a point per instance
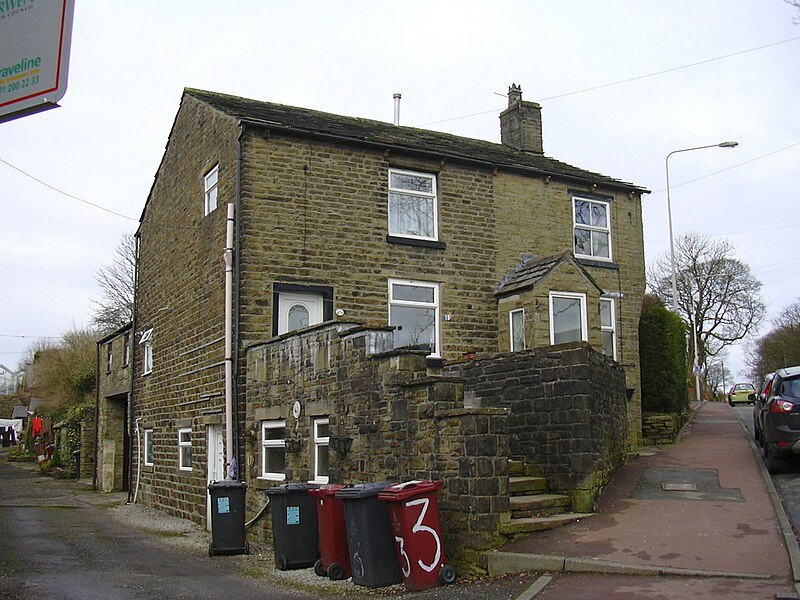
(319, 568)
(211, 548)
(448, 575)
(336, 572)
(281, 562)
(247, 547)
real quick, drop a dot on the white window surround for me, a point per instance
(591, 222)
(210, 181)
(273, 445)
(126, 350)
(413, 205)
(185, 448)
(148, 447)
(415, 306)
(516, 329)
(562, 302)
(321, 450)
(608, 326)
(147, 341)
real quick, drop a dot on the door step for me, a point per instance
(532, 524)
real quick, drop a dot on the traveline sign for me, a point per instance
(34, 55)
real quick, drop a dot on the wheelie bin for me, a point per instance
(369, 536)
(334, 556)
(414, 518)
(294, 526)
(227, 518)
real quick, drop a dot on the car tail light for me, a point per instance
(780, 406)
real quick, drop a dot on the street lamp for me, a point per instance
(672, 254)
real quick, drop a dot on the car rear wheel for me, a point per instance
(774, 463)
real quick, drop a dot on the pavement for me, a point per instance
(697, 519)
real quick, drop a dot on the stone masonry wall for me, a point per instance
(567, 408)
(404, 421)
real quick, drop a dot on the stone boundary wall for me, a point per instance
(568, 413)
(661, 428)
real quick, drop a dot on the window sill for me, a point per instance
(593, 262)
(404, 241)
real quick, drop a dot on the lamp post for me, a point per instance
(672, 255)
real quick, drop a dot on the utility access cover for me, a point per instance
(664, 483)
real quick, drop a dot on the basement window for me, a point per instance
(321, 450)
(185, 449)
(273, 450)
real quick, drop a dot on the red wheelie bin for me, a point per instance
(414, 518)
(334, 553)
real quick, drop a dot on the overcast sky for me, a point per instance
(621, 83)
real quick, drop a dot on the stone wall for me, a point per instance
(568, 413)
(661, 428)
(112, 413)
(405, 421)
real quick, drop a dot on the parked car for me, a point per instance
(758, 400)
(740, 393)
(779, 415)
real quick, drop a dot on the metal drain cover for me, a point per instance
(679, 487)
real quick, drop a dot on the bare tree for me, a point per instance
(779, 347)
(796, 4)
(117, 281)
(717, 295)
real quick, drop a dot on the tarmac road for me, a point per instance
(59, 541)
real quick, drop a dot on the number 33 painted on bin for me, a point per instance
(418, 527)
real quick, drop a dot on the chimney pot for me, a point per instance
(521, 123)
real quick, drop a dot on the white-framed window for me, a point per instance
(321, 450)
(109, 356)
(567, 317)
(146, 342)
(210, 185)
(126, 350)
(148, 447)
(412, 205)
(185, 448)
(414, 312)
(608, 327)
(516, 326)
(273, 450)
(592, 228)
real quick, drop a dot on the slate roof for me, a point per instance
(531, 271)
(303, 121)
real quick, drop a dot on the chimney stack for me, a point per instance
(521, 123)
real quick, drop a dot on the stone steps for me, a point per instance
(538, 505)
(523, 526)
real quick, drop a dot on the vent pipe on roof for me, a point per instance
(396, 108)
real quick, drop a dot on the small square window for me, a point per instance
(210, 185)
(567, 317)
(148, 447)
(185, 449)
(321, 450)
(273, 450)
(412, 205)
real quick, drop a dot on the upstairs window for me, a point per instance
(567, 317)
(412, 205)
(608, 327)
(414, 312)
(147, 342)
(592, 228)
(109, 356)
(126, 350)
(273, 450)
(211, 189)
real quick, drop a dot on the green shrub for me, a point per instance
(662, 354)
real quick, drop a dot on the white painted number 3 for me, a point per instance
(418, 526)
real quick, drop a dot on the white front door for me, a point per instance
(296, 311)
(216, 462)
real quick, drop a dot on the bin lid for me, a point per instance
(227, 483)
(401, 491)
(291, 488)
(327, 491)
(362, 490)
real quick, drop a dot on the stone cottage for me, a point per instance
(366, 247)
